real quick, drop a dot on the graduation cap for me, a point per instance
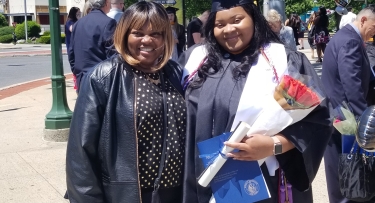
(218, 5)
(171, 9)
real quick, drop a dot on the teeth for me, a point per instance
(146, 49)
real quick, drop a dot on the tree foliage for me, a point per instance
(196, 7)
(3, 21)
(127, 3)
(297, 6)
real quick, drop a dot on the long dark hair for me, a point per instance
(73, 14)
(262, 35)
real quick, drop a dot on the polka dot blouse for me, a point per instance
(149, 108)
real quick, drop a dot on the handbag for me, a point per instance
(357, 174)
(155, 193)
(285, 190)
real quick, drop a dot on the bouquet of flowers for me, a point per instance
(344, 120)
(294, 94)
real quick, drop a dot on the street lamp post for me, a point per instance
(24, 2)
(57, 121)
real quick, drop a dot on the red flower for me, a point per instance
(296, 91)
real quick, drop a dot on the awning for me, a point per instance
(18, 14)
(46, 14)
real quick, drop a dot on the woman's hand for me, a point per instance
(253, 147)
(256, 147)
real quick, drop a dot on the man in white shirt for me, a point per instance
(116, 9)
(348, 18)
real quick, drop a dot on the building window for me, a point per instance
(21, 19)
(44, 19)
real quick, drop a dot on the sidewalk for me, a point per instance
(33, 170)
(11, 50)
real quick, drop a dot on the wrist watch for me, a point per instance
(277, 146)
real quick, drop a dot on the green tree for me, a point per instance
(3, 21)
(298, 6)
(127, 3)
(196, 7)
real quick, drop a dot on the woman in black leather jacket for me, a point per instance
(130, 117)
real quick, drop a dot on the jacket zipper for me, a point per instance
(136, 136)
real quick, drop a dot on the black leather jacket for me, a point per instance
(102, 154)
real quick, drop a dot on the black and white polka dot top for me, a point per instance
(149, 108)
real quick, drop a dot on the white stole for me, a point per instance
(260, 84)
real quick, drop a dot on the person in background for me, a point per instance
(321, 38)
(295, 23)
(73, 16)
(348, 18)
(91, 39)
(311, 34)
(86, 8)
(116, 9)
(130, 115)
(194, 29)
(301, 33)
(236, 33)
(346, 76)
(285, 33)
(177, 28)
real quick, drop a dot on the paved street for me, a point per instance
(15, 70)
(33, 170)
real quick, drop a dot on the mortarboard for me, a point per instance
(171, 9)
(218, 5)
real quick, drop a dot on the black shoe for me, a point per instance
(319, 61)
(301, 48)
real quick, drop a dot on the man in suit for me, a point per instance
(346, 78)
(91, 40)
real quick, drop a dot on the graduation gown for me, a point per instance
(211, 111)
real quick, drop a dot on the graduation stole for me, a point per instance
(261, 81)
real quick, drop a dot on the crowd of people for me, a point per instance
(147, 95)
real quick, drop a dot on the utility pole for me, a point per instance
(57, 121)
(25, 20)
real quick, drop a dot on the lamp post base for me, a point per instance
(59, 135)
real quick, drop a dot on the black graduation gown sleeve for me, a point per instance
(310, 136)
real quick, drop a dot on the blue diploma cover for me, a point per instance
(236, 181)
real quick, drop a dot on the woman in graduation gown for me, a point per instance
(235, 32)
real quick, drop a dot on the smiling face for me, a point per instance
(146, 45)
(234, 29)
